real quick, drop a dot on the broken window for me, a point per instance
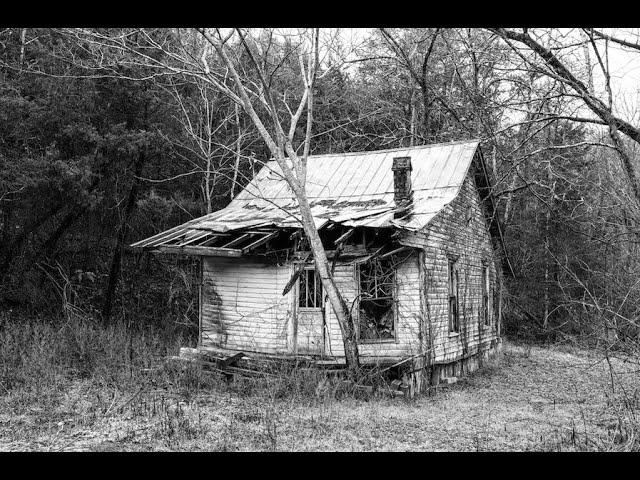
(485, 295)
(454, 320)
(376, 312)
(310, 289)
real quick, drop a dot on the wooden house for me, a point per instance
(413, 243)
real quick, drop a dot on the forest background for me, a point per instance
(108, 136)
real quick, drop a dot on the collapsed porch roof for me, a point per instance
(352, 189)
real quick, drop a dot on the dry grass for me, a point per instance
(87, 389)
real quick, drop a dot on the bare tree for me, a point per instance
(281, 146)
(559, 69)
(244, 69)
(205, 120)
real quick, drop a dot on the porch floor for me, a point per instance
(310, 360)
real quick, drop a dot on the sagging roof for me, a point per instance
(353, 189)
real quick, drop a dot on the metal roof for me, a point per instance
(354, 189)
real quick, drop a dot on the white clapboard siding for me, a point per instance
(243, 306)
(407, 319)
(459, 229)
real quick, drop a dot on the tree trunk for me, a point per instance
(116, 261)
(338, 304)
(23, 37)
(238, 145)
(507, 205)
(426, 105)
(50, 244)
(281, 147)
(547, 221)
(412, 127)
(21, 238)
(207, 188)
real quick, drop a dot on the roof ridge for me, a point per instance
(387, 150)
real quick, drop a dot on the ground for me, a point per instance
(531, 398)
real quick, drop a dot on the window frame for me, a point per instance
(316, 277)
(394, 306)
(486, 297)
(453, 286)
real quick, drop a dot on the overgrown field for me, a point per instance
(81, 386)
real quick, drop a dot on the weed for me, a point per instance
(78, 384)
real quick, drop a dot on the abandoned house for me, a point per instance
(412, 241)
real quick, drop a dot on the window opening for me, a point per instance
(485, 295)
(310, 289)
(377, 292)
(454, 320)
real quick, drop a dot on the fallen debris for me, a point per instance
(239, 363)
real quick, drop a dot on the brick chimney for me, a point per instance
(402, 192)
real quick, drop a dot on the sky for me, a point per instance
(625, 74)
(624, 65)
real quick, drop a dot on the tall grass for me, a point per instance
(39, 358)
(81, 372)
(62, 378)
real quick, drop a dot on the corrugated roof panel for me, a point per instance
(379, 220)
(353, 185)
(352, 188)
(371, 182)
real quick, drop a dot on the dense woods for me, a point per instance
(111, 135)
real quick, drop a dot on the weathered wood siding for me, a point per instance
(243, 307)
(460, 229)
(407, 312)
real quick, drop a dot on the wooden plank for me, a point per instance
(296, 274)
(228, 371)
(218, 351)
(259, 232)
(187, 352)
(351, 252)
(344, 236)
(203, 251)
(392, 252)
(255, 355)
(164, 237)
(194, 238)
(200, 297)
(334, 361)
(213, 239)
(228, 361)
(259, 242)
(236, 241)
